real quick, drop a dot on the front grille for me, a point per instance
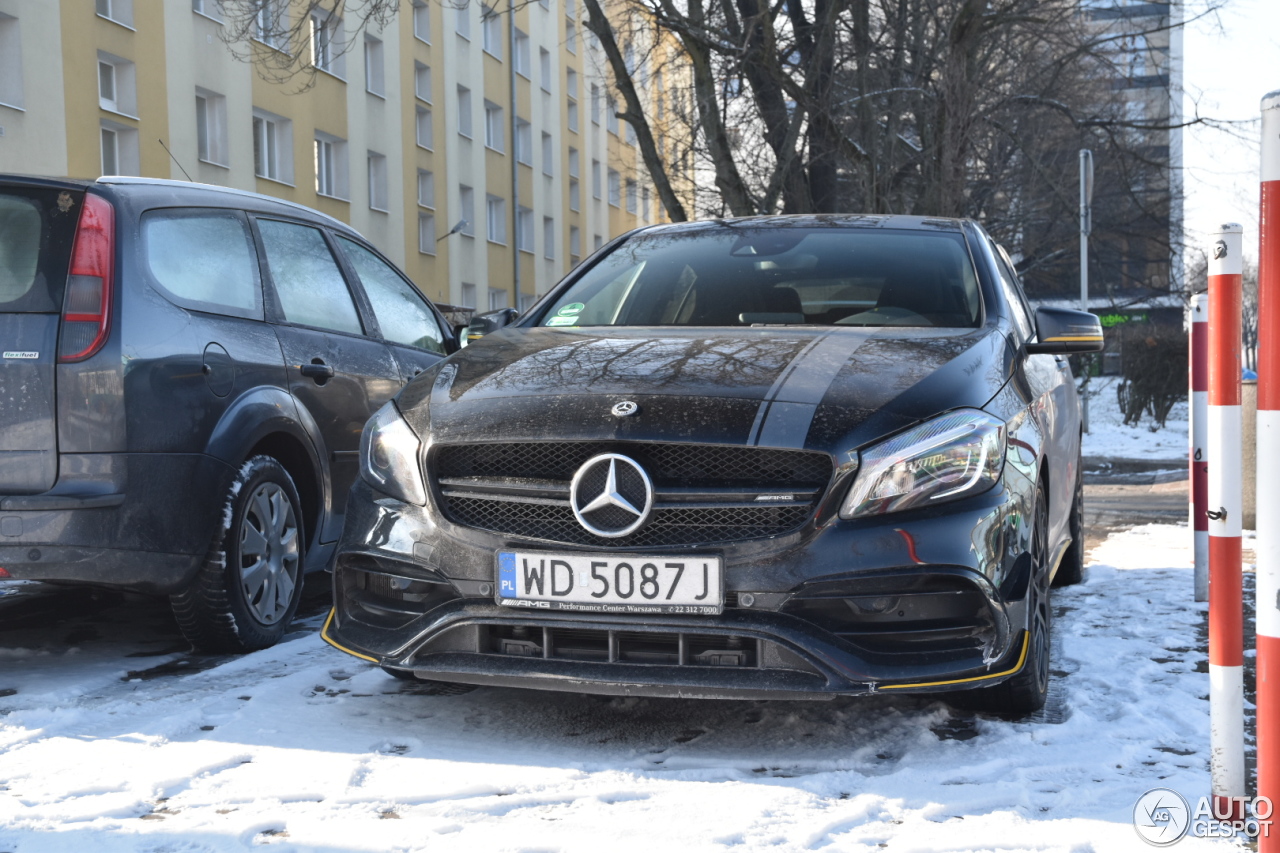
(704, 494)
(664, 649)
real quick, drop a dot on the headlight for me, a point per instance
(389, 452)
(956, 455)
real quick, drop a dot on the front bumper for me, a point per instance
(923, 601)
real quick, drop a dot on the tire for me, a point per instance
(247, 591)
(426, 687)
(1071, 569)
(1025, 692)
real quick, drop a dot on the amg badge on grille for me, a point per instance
(625, 408)
(611, 495)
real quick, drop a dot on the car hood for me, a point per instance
(821, 388)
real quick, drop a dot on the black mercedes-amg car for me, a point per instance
(784, 457)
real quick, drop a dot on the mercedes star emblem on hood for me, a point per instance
(611, 495)
(626, 407)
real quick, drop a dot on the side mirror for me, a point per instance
(484, 324)
(1061, 331)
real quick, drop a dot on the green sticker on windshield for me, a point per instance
(562, 321)
(573, 309)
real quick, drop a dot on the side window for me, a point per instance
(308, 281)
(402, 313)
(1013, 294)
(204, 260)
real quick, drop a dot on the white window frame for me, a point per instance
(422, 22)
(544, 66)
(495, 218)
(524, 229)
(426, 233)
(423, 129)
(11, 62)
(270, 20)
(523, 60)
(596, 185)
(379, 194)
(462, 21)
(467, 209)
(331, 166)
(498, 298)
(273, 135)
(464, 112)
(211, 128)
(123, 74)
(615, 188)
(491, 31)
(326, 42)
(575, 195)
(494, 129)
(426, 189)
(548, 154)
(375, 82)
(422, 81)
(125, 138)
(116, 11)
(549, 238)
(524, 142)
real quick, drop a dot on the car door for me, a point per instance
(336, 367)
(408, 323)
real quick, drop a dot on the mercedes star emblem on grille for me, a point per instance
(611, 495)
(626, 407)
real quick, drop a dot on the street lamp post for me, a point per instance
(1086, 226)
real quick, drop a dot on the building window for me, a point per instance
(467, 205)
(493, 130)
(497, 299)
(575, 245)
(374, 73)
(208, 8)
(426, 189)
(573, 162)
(120, 11)
(426, 233)
(110, 152)
(595, 104)
(595, 179)
(378, 182)
(548, 238)
(495, 210)
(548, 155)
(521, 55)
(422, 82)
(524, 142)
(571, 9)
(331, 166)
(422, 22)
(10, 62)
(631, 196)
(599, 242)
(644, 203)
(119, 148)
(571, 88)
(117, 86)
(462, 21)
(524, 229)
(544, 67)
(491, 22)
(611, 114)
(630, 133)
(575, 195)
(468, 295)
(422, 128)
(615, 188)
(272, 147)
(527, 299)
(570, 37)
(326, 42)
(211, 127)
(271, 23)
(464, 111)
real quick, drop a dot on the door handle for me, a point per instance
(316, 370)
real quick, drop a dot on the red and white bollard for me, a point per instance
(1267, 598)
(1226, 609)
(1198, 367)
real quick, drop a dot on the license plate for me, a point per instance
(604, 583)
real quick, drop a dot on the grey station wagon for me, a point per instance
(185, 374)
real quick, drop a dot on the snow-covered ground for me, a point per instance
(1109, 438)
(304, 748)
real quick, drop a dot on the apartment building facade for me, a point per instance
(477, 152)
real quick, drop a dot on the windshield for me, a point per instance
(747, 276)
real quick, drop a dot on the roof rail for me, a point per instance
(166, 182)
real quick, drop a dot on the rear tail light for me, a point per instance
(86, 308)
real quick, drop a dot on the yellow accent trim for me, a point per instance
(1064, 338)
(1026, 642)
(324, 635)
